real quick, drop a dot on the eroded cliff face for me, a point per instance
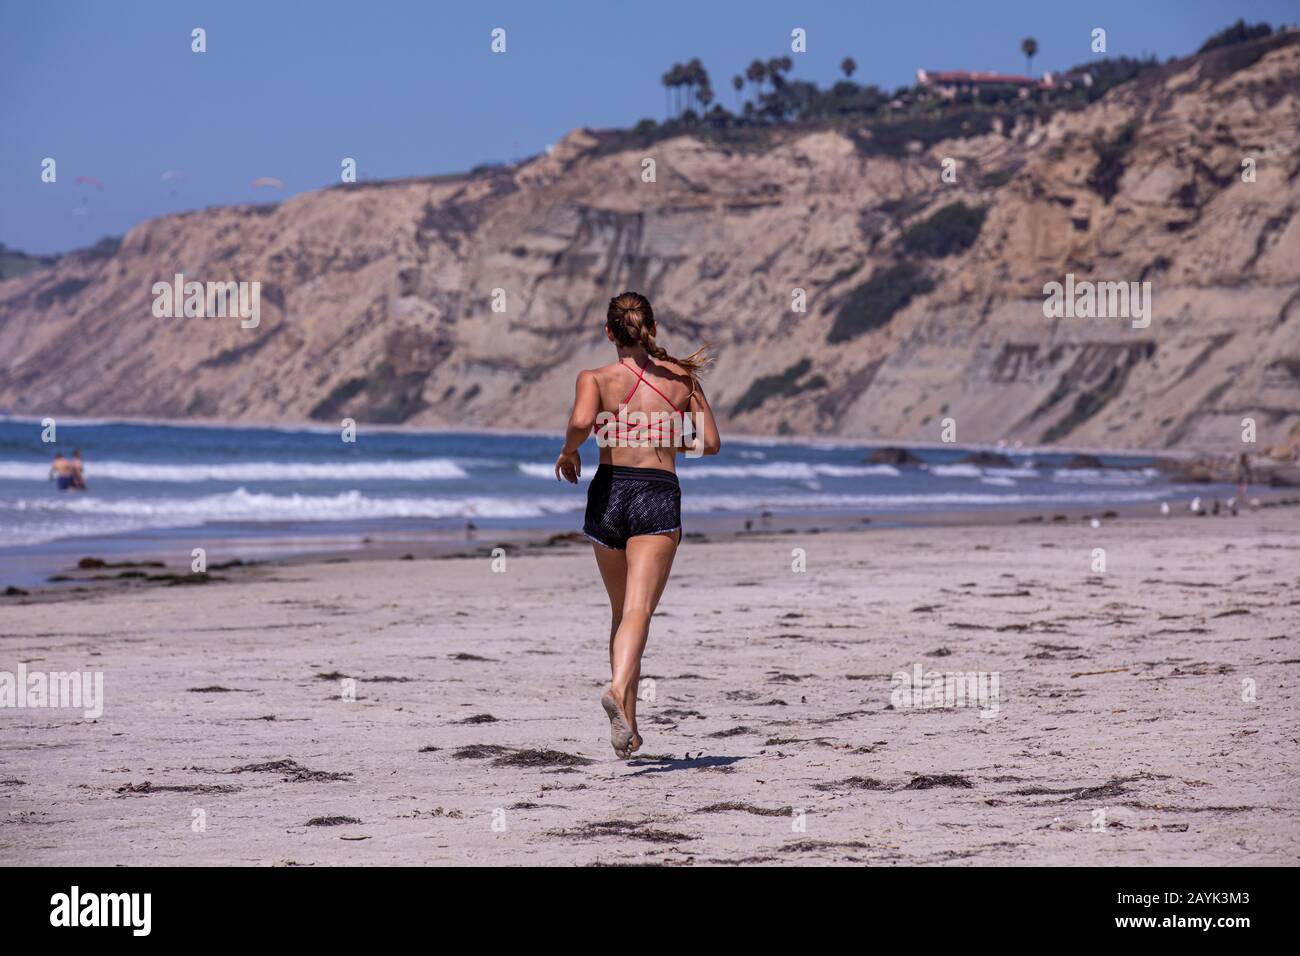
(376, 300)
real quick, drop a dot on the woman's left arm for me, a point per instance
(586, 403)
(709, 442)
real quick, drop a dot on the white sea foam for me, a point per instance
(418, 469)
(775, 471)
(701, 503)
(90, 526)
(785, 471)
(955, 471)
(244, 505)
(534, 470)
(29, 521)
(1093, 476)
(856, 471)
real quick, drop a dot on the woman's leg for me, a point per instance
(649, 559)
(613, 571)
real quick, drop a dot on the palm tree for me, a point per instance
(667, 81)
(849, 67)
(672, 81)
(1029, 47)
(696, 76)
(755, 73)
(684, 81)
(776, 66)
(738, 84)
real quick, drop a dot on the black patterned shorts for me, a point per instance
(625, 502)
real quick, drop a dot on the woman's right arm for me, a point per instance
(586, 404)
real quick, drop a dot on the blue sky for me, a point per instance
(287, 89)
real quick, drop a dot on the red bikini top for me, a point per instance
(640, 377)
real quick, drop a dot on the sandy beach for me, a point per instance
(1146, 714)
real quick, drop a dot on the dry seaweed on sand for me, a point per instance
(632, 829)
(813, 846)
(852, 783)
(148, 787)
(733, 732)
(479, 751)
(541, 758)
(929, 781)
(747, 808)
(295, 772)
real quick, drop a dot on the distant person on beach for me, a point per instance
(1243, 481)
(62, 472)
(78, 472)
(634, 504)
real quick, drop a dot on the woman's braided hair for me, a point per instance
(631, 319)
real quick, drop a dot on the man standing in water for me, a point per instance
(62, 472)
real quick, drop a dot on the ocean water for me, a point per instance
(154, 482)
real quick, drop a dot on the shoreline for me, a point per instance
(229, 493)
(128, 568)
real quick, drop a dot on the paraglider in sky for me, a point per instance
(83, 208)
(172, 176)
(269, 181)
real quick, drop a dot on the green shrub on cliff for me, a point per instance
(780, 385)
(872, 304)
(951, 230)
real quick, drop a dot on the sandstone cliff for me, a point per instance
(376, 299)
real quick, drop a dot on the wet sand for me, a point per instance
(1145, 715)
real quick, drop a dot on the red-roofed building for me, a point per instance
(948, 83)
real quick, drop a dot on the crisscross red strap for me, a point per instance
(640, 377)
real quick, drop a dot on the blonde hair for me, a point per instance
(631, 319)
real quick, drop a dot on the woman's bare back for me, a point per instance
(663, 383)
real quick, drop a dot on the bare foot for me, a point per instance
(620, 734)
(629, 708)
